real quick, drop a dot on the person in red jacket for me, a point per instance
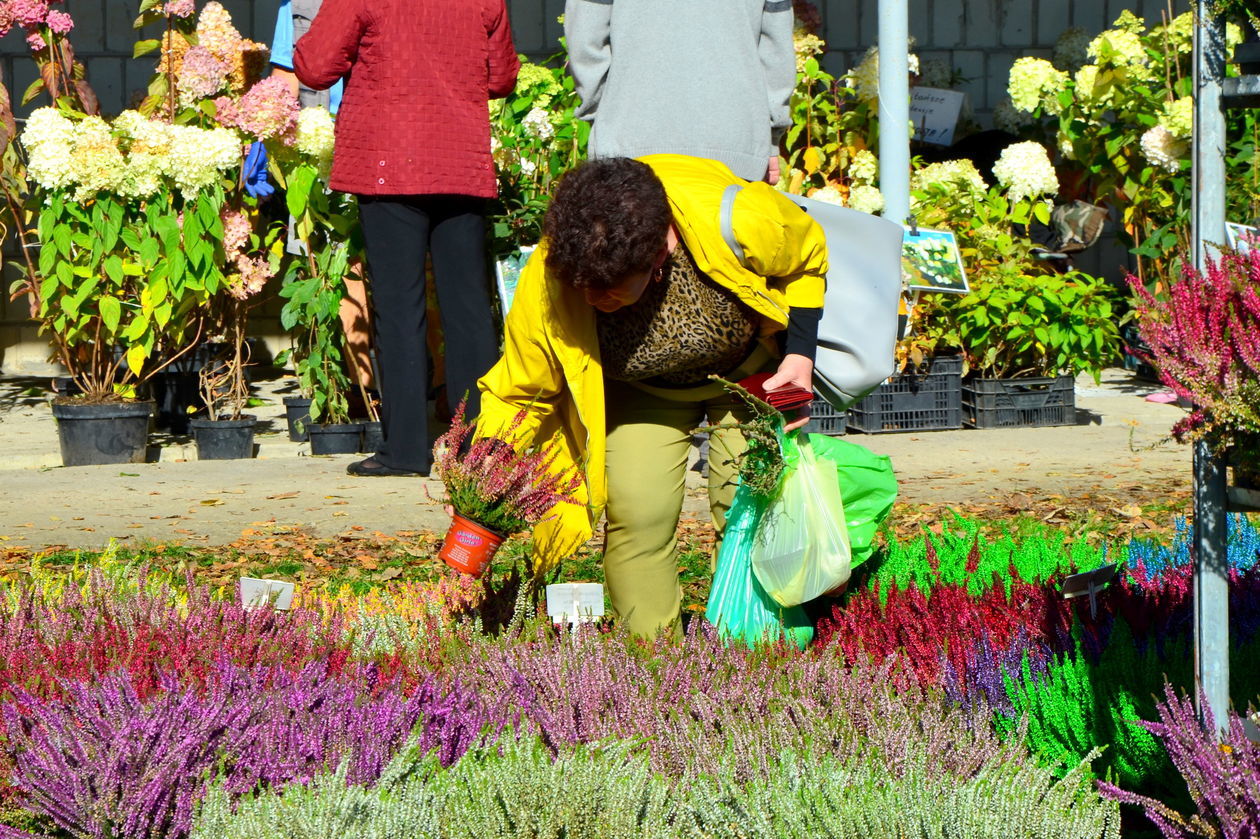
(413, 144)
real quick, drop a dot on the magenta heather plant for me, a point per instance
(1223, 777)
(104, 763)
(494, 484)
(694, 705)
(1204, 340)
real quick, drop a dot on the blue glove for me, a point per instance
(255, 172)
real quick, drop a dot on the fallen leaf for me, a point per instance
(211, 502)
(281, 495)
(389, 573)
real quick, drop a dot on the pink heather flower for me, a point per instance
(269, 110)
(60, 22)
(29, 12)
(201, 74)
(36, 42)
(236, 229)
(180, 8)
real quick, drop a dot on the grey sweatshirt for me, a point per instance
(707, 78)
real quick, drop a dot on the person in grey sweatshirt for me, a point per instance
(706, 78)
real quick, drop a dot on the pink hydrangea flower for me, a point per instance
(236, 229)
(60, 22)
(201, 74)
(6, 21)
(29, 12)
(181, 8)
(36, 42)
(254, 275)
(268, 111)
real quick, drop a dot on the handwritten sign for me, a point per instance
(934, 113)
(575, 602)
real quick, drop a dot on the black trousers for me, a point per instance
(398, 231)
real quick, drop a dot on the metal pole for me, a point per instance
(1211, 565)
(894, 108)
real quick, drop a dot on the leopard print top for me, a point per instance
(684, 327)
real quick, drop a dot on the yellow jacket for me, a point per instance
(550, 365)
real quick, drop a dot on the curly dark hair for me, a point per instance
(608, 219)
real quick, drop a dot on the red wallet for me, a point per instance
(784, 398)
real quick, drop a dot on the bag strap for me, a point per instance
(726, 220)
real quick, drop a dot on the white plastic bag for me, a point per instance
(801, 549)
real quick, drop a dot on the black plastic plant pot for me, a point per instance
(224, 439)
(106, 432)
(174, 392)
(1247, 57)
(373, 437)
(297, 410)
(340, 438)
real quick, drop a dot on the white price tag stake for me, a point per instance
(256, 593)
(575, 602)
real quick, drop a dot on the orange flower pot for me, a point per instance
(469, 547)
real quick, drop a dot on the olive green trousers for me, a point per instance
(649, 439)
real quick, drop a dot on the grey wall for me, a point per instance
(979, 37)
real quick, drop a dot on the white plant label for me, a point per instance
(256, 593)
(575, 602)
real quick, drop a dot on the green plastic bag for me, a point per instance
(868, 488)
(738, 606)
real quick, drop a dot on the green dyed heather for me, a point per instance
(999, 561)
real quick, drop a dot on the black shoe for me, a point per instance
(370, 467)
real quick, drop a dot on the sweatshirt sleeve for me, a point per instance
(328, 50)
(587, 33)
(778, 62)
(783, 243)
(503, 64)
(282, 38)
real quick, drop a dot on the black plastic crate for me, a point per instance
(825, 419)
(928, 400)
(1019, 403)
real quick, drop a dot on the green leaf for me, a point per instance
(114, 269)
(298, 194)
(145, 47)
(35, 89)
(136, 356)
(62, 239)
(111, 312)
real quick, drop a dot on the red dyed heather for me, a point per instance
(413, 119)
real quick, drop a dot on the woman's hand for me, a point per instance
(794, 371)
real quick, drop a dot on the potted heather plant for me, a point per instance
(1204, 340)
(494, 490)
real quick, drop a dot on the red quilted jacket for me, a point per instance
(413, 118)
